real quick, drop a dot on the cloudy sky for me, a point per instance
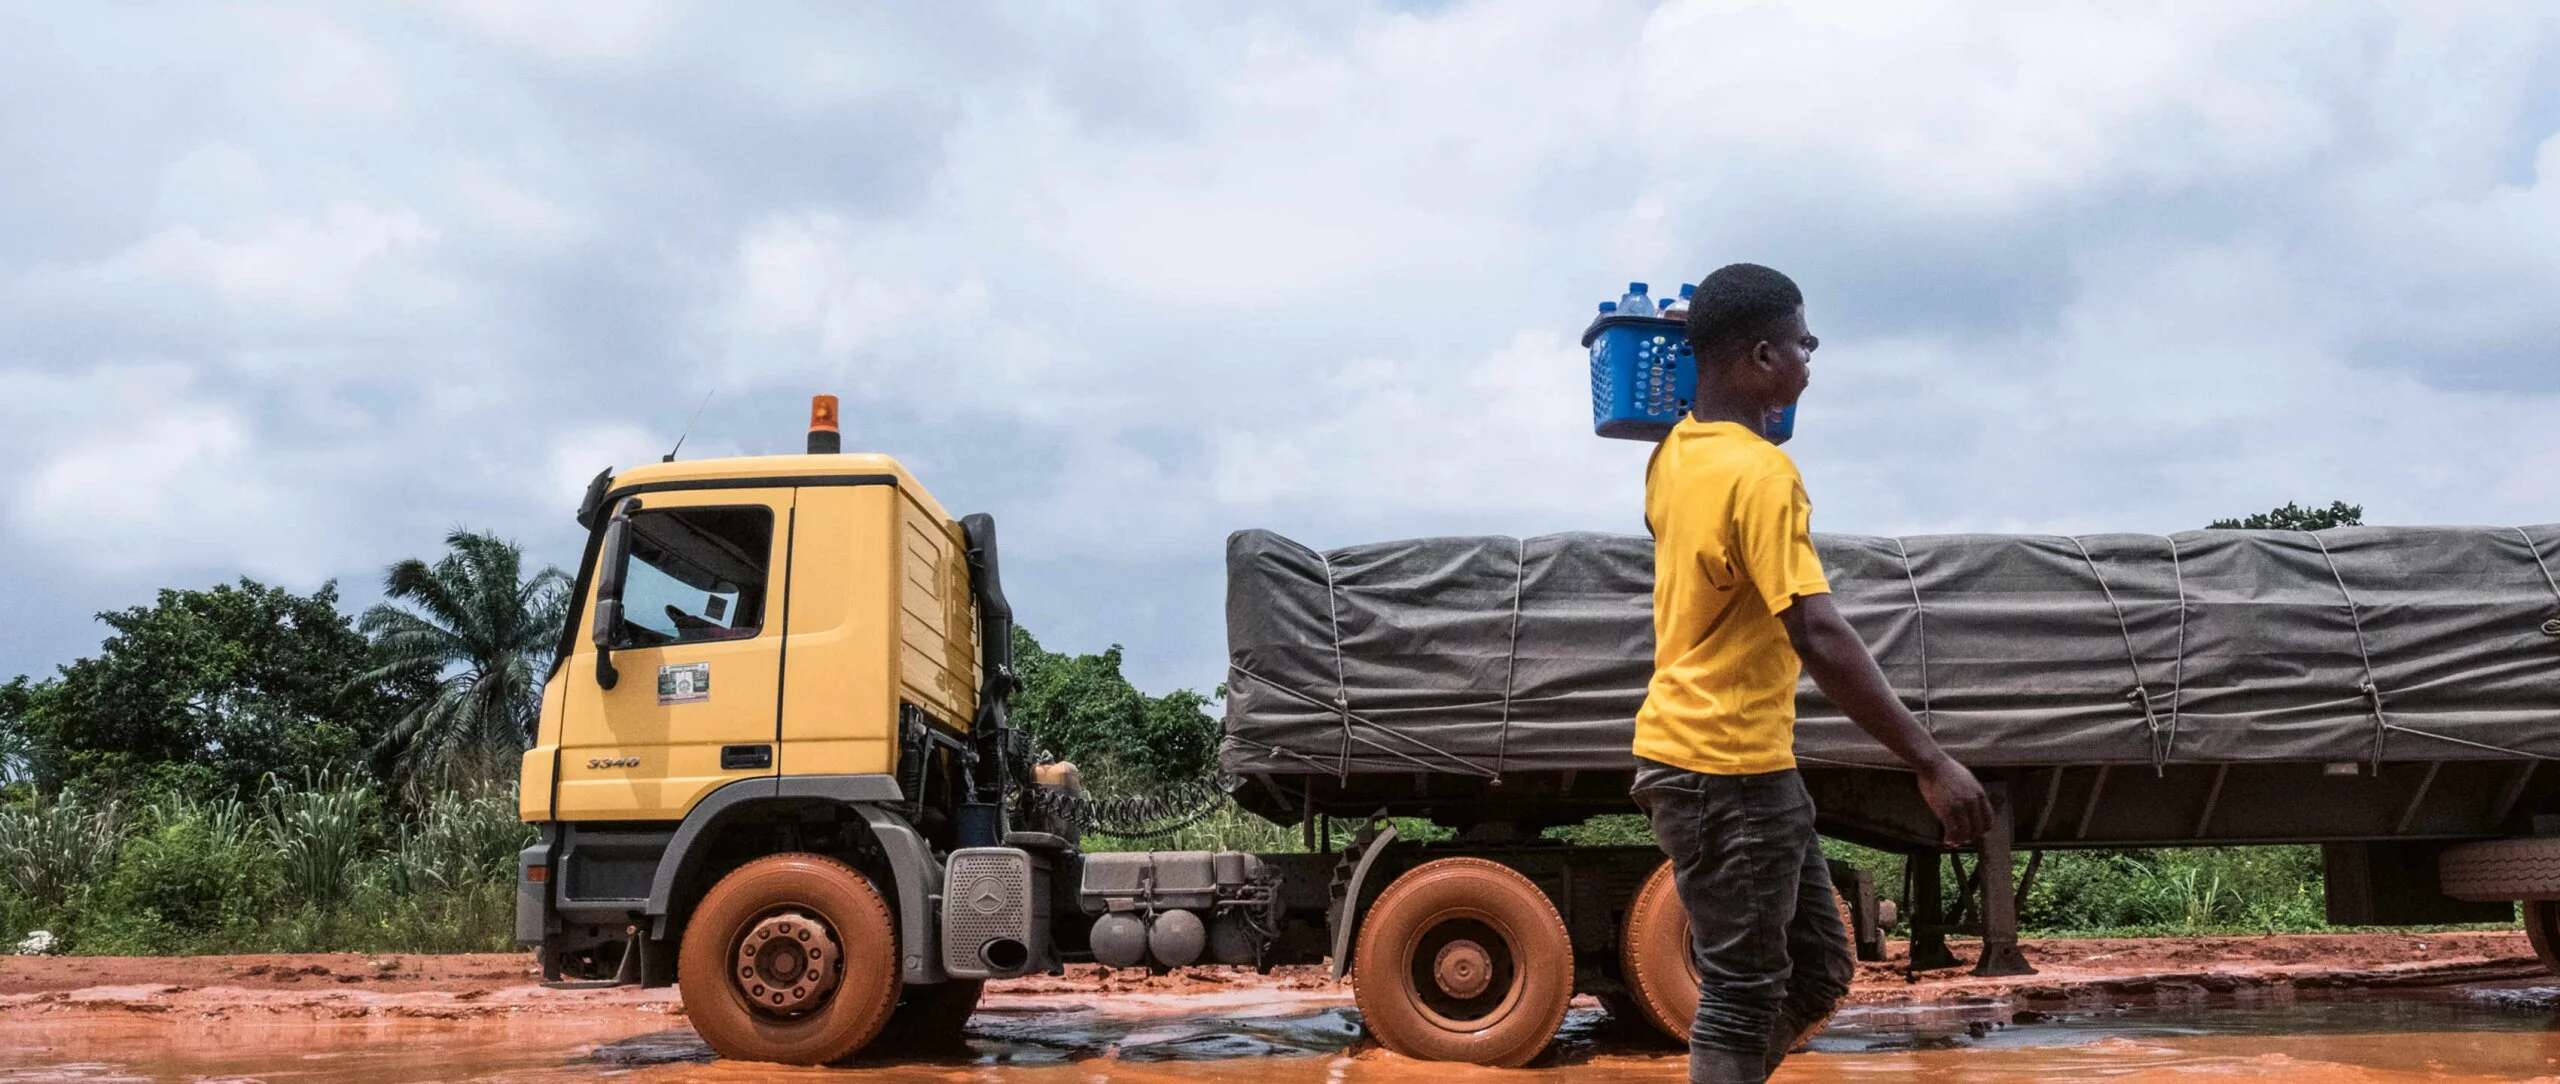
(291, 292)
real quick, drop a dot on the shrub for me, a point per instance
(189, 870)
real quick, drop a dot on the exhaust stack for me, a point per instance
(823, 438)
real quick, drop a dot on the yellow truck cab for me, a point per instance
(777, 617)
(782, 680)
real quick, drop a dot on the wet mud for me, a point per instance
(2363, 1008)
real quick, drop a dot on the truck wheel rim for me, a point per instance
(1462, 969)
(787, 963)
(1464, 972)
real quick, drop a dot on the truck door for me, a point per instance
(698, 654)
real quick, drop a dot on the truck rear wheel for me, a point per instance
(1462, 959)
(791, 958)
(1654, 957)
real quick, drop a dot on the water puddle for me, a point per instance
(2481, 1033)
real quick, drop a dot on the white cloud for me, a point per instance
(295, 266)
(133, 471)
(588, 30)
(1133, 278)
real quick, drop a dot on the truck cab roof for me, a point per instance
(786, 470)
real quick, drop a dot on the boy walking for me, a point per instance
(1740, 610)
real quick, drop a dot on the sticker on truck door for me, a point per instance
(685, 684)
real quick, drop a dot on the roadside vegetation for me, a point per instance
(242, 768)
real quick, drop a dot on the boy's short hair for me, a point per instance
(1737, 307)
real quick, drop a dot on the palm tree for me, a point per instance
(480, 635)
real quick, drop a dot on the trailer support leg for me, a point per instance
(2000, 955)
(1928, 915)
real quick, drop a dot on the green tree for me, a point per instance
(480, 635)
(205, 690)
(1081, 708)
(2294, 517)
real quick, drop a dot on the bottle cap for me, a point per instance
(1635, 287)
(1608, 306)
(1688, 290)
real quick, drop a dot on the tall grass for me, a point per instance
(319, 828)
(51, 852)
(457, 840)
(326, 863)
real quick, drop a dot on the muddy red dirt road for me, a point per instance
(2462, 1006)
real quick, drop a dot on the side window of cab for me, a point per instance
(695, 574)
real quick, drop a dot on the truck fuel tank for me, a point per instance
(1160, 880)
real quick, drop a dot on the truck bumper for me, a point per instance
(533, 892)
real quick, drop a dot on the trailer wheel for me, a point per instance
(2542, 927)
(1655, 962)
(2501, 869)
(1462, 959)
(791, 958)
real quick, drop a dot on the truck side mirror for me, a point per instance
(608, 616)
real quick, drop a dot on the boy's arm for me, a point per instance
(1840, 664)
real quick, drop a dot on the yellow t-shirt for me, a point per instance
(1733, 548)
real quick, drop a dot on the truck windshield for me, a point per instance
(695, 574)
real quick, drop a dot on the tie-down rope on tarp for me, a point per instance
(1341, 684)
(2162, 733)
(2372, 691)
(1349, 735)
(2355, 618)
(2163, 736)
(1920, 613)
(2551, 627)
(1511, 666)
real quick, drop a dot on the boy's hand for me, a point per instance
(1839, 663)
(1964, 811)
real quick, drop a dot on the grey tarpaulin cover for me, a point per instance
(1485, 656)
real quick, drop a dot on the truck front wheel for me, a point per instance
(1462, 959)
(791, 958)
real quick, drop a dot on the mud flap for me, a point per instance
(1344, 916)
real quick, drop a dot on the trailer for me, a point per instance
(2388, 693)
(773, 768)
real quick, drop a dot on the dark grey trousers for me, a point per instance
(1764, 923)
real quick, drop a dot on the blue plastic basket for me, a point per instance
(1643, 377)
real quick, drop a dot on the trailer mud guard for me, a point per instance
(1349, 918)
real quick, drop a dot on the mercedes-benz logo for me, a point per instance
(986, 897)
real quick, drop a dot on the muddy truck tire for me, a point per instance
(791, 958)
(1463, 959)
(1654, 958)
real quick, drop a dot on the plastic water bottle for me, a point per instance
(1608, 308)
(1637, 302)
(1681, 307)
